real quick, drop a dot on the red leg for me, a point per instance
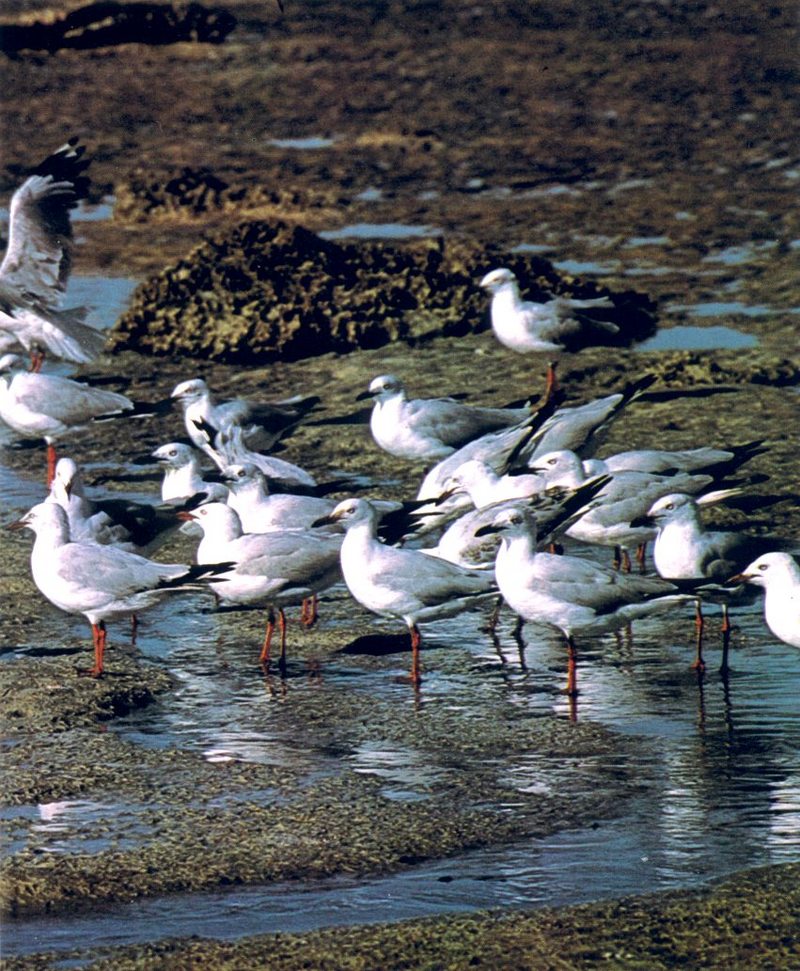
(641, 557)
(551, 386)
(134, 629)
(309, 613)
(282, 627)
(616, 563)
(726, 639)
(264, 656)
(572, 670)
(699, 664)
(416, 640)
(626, 562)
(51, 464)
(37, 360)
(99, 643)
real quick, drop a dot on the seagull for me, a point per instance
(134, 526)
(428, 429)
(275, 569)
(262, 424)
(37, 262)
(666, 462)
(556, 325)
(228, 448)
(621, 503)
(183, 475)
(779, 575)
(567, 592)
(48, 406)
(402, 583)
(100, 582)
(685, 550)
(260, 511)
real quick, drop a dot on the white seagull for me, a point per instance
(261, 511)
(275, 569)
(685, 550)
(428, 429)
(567, 592)
(48, 406)
(779, 575)
(100, 582)
(183, 474)
(262, 423)
(402, 583)
(37, 262)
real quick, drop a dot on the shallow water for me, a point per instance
(720, 768)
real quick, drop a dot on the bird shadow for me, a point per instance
(378, 645)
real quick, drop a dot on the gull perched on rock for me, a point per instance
(262, 423)
(567, 592)
(426, 429)
(779, 576)
(48, 406)
(274, 569)
(685, 550)
(100, 582)
(38, 259)
(402, 583)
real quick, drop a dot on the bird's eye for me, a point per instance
(240, 473)
(669, 505)
(763, 567)
(173, 452)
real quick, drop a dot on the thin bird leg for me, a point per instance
(99, 642)
(282, 628)
(641, 557)
(37, 360)
(416, 640)
(264, 656)
(726, 639)
(626, 561)
(494, 617)
(616, 563)
(308, 612)
(572, 671)
(699, 664)
(134, 629)
(551, 388)
(51, 464)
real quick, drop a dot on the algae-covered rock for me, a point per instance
(267, 290)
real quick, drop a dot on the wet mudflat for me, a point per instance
(188, 783)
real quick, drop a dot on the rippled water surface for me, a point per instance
(720, 768)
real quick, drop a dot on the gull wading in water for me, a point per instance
(684, 550)
(38, 259)
(402, 583)
(566, 592)
(428, 429)
(48, 406)
(275, 569)
(552, 326)
(779, 576)
(100, 582)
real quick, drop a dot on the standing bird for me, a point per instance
(275, 569)
(261, 423)
(567, 592)
(402, 583)
(48, 406)
(428, 429)
(100, 582)
(779, 575)
(38, 259)
(556, 325)
(684, 550)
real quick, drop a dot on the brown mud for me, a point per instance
(590, 129)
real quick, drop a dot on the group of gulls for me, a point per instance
(506, 488)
